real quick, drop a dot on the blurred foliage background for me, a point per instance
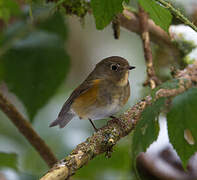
(41, 63)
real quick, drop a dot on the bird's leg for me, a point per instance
(93, 125)
(115, 119)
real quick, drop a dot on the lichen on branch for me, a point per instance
(103, 140)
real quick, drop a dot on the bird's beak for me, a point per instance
(131, 67)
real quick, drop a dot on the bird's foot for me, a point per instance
(117, 121)
(114, 119)
(95, 129)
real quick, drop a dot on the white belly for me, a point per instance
(103, 112)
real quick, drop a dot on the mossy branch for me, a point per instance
(177, 13)
(103, 140)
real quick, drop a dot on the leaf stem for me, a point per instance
(177, 13)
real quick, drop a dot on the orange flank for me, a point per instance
(82, 103)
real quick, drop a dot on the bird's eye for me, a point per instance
(114, 67)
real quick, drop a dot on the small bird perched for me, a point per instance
(103, 93)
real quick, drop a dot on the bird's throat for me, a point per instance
(124, 81)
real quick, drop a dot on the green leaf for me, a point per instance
(157, 13)
(127, 1)
(36, 64)
(54, 24)
(181, 119)
(8, 160)
(8, 8)
(147, 129)
(105, 10)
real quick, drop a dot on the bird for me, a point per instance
(101, 95)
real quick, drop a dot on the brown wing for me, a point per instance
(86, 100)
(65, 114)
(77, 92)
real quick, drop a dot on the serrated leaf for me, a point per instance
(36, 64)
(8, 160)
(181, 119)
(160, 15)
(147, 129)
(105, 10)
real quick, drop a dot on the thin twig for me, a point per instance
(149, 165)
(177, 13)
(152, 79)
(116, 28)
(104, 139)
(130, 21)
(28, 132)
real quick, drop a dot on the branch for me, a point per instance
(103, 140)
(177, 13)
(26, 129)
(130, 21)
(149, 165)
(116, 28)
(152, 79)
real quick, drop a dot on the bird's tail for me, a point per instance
(63, 119)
